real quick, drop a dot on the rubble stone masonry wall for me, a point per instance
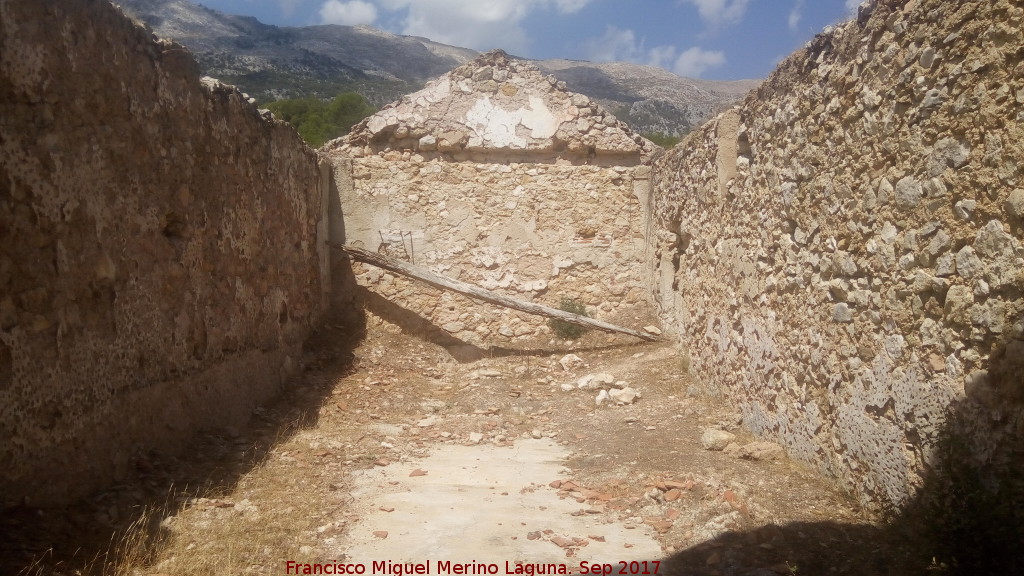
(497, 175)
(841, 254)
(538, 232)
(159, 255)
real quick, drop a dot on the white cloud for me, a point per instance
(570, 6)
(615, 44)
(479, 24)
(718, 13)
(618, 44)
(852, 5)
(621, 45)
(348, 13)
(661, 56)
(288, 7)
(694, 61)
(795, 15)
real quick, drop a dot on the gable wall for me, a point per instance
(534, 231)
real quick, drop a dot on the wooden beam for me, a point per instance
(477, 293)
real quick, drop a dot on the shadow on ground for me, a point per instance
(462, 351)
(94, 535)
(968, 518)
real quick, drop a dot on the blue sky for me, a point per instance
(714, 39)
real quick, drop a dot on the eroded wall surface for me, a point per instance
(536, 232)
(497, 109)
(841, 254)
(496, 175)
(159, 255)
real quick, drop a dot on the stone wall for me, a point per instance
(841, 254)
(159, 256)
(496, 175)
(536, 232)
(496, 109)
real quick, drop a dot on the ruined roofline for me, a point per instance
(491, 107)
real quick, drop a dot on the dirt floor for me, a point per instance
(379, 446)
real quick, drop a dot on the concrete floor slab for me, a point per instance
(476, 504)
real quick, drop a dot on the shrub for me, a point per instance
(565, 330)
(664, 140)
(318, 121)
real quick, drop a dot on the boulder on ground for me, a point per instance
(570, 362)
(624, 395)
(761, 451)
(716, 440)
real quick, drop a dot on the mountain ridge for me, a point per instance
(271, 63)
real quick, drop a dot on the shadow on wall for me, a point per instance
(85, 537)
(412, 323)
(967, 519)
(460, 350)
(348, 295)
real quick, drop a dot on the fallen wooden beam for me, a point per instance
(445, 283)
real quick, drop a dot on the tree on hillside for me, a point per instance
(662, 139)
(318, 121)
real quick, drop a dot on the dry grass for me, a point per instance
(271, 513)
(268, 517)
(241, 502)
(127, 551)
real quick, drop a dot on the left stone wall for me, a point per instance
(161, 254)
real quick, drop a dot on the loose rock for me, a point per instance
(716, 440)
(623, 396)
(761, 451)
(594, 381)
(571, 362)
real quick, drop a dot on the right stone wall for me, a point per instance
(841, 254)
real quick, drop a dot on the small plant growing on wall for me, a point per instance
(565, 330)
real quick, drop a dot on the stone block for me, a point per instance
(716, 440)
(908, 193)
(1014, 204)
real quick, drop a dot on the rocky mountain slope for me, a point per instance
(271, 62)
(648, 98)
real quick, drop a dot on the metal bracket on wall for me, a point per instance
(396, 247)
